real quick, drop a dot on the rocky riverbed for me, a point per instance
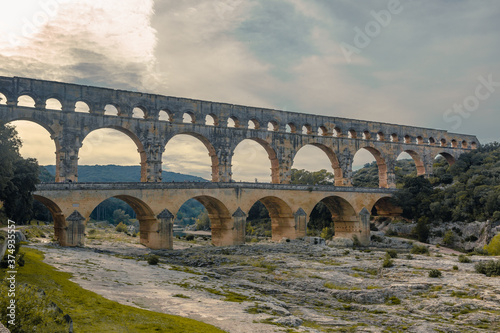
(292, 286)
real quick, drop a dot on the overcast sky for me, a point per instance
(423, 63)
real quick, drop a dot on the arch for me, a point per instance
(380, 136)
(449, 158)
(291, 128)
(188, 117)
(385, 208)
(419, 164)
(330, 154)
(381, 164)
(432, 141)
(464, 144)
(82, 107)
(111, 110)
(352, 134)
(337, 132)
(165, 115)
(214, 161)
(473, 145)
(253, 124)
(53, 104)
(139, 112)
(233, 122)
(3, 99)
(105, 134)
(394, 137)
(26, 101)
(443, 142)
(407, 139)
(323, 131)
(367, 135)
(273, 126)
(344, 217)
(220, 220)
(57, 216)
(36, 136)
(419, 140)
(250, 157)
(282, 219)
(454, 143)
(306, 129)
(211, 120)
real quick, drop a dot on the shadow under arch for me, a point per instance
(58, 217)
(419, 164)
(221, 221)
(211, 152)
(282, 218)
(344, 217)
(271, 154)
(449, 158)
(382, 166)
(148, 223)
(386, 208)
(337, 170)
(134, 138)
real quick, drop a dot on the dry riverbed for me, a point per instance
(294, 286)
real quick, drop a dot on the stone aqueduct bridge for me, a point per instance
(280, 133)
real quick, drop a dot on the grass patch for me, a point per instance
(184, 269)
(371, 271)
(93, 313)
(330, 285)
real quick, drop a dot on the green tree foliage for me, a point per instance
(119, 216)
(305, 177)
(469, 190)
(258, 220)
(121, 227)
(493, 247)
(368, 175)
(18, 177)
(202, 222)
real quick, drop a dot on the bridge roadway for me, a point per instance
(228, 204)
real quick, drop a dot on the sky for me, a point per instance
(422, 63)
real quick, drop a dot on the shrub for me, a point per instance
(376, 238)
(355, 241)
(387, 262)
(189, 237)
(449, 238)
(121, 227)
(393, 300)
(434, 273)
(464, 259)
(392, 253)
(35, 310)
(493, 247)
(409, 257)
(455, 268)
(327, 233)
(153, 260)
(488, 268)
(419, 249)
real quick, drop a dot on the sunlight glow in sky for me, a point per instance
(283, 54)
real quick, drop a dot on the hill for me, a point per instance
(115, 173)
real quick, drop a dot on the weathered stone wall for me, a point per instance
(339, 138)
(227, 204)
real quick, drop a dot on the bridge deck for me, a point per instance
(204, 185)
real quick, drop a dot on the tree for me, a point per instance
(120, 216)
(18, 177)
(305, 177)
(202, 222)
(414, 197)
